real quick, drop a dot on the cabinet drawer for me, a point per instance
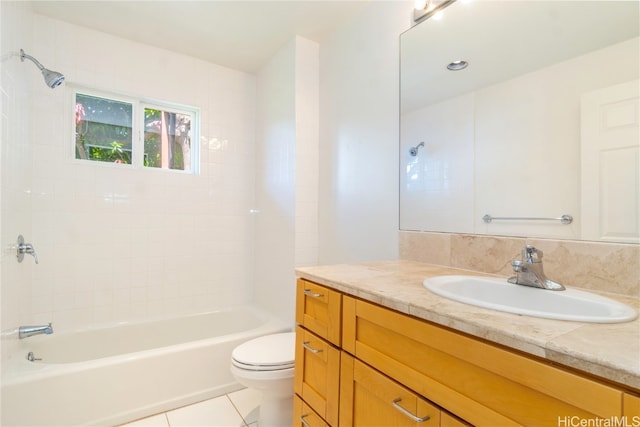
(319, 309)
(447, 420)
(369, 398)
(480, 382)
(631, 406)
(317, 374)
(304, 416)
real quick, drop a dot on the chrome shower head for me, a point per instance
(53, 79)
(414, 150)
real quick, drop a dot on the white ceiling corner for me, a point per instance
(234, 33)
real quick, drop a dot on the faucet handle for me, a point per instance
(25, 248)
(516, 265)
(531, 254)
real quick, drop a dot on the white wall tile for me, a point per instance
(16, 170)
(116, 243)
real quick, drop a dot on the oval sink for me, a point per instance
(498, 294)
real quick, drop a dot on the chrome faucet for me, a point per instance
(529, 271)
(29, 331)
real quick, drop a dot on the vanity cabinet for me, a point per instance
(386, 368)
(479, 382)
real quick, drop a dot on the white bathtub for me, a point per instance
(108, 376)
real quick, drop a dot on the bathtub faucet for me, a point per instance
(29, 331)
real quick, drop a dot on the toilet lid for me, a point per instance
(269, 352)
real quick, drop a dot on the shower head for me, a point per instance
(414, 150)
(53, 79)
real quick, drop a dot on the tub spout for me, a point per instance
(28, 331)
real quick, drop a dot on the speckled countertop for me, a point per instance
(611, 351)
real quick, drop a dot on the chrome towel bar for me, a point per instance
(565, 219)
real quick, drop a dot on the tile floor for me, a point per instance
(237, 409)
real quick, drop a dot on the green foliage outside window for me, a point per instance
(103, 129)
(167, 139)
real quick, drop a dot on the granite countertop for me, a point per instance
(610, 351)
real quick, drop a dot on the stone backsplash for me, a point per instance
(609, 267)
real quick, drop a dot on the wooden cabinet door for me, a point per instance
(317, 374)
(369, 398)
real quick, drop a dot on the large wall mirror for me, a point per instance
(542, 124)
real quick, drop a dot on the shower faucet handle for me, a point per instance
(25, 248)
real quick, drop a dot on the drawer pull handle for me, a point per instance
(310, 293)
(306, 345)
(303, 421)
(407, 413)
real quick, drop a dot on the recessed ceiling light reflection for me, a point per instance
(457, 65)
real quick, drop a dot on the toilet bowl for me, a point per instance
(266, 364)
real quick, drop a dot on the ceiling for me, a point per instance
(234, 33)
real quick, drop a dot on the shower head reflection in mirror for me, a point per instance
(414, 150)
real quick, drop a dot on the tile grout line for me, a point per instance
(237, 410)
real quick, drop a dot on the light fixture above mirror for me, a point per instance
(423, 9)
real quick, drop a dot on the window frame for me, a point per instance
(138, 106)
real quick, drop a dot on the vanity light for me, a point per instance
(420, 4)
(457, 65)
(423, 9)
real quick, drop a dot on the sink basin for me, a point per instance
(498, 294)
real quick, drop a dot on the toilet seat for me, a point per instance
(267, 353)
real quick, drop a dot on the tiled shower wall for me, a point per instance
(16, 167)
(608, 267)
(118, 243)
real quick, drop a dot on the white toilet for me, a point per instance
(266, 364)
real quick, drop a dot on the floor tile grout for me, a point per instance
(237, 410)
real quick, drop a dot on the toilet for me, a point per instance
(266, 364)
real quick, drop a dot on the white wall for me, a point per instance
(358, 208)
(117, 243)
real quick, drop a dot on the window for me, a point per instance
(107, 129)
(104, 129)
(167, 139)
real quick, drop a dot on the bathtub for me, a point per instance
(111, 375)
